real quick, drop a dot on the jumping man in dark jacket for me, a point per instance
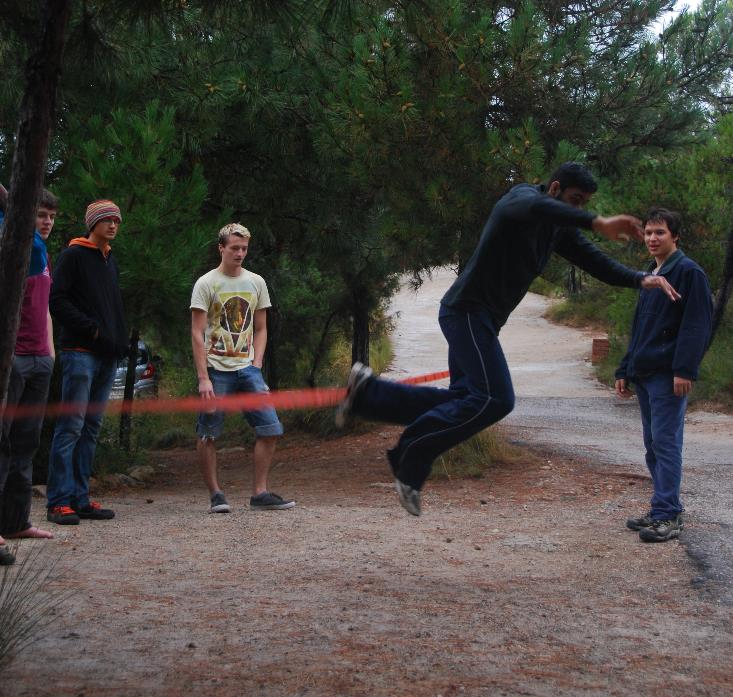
(87, 304)
(668, 341)
(524, 228)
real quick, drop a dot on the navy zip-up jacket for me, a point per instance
(666, 336)
(86, 299)
(525, 227)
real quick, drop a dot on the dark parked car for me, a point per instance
(147, 374)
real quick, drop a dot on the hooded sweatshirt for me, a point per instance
(86, 300)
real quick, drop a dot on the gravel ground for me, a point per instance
(524, 582)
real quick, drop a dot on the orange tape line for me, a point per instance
(282, 399)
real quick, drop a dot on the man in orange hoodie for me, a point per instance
(87, 304)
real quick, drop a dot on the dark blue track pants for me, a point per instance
(480, 394)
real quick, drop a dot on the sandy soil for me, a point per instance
(524, 582)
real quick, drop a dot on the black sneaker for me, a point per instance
(644, 521)
(94, 511)
(661, 530)
(268, 501)
(409, 497)
(358, 376)
(219, 504)
(62, 515)
(6, 556)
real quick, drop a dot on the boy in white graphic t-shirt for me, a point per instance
(229, 336)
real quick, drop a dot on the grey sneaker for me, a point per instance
(219, 504)
(409, 497)
(661, 530)
(358, 376)
(269, 501)
(646, 521)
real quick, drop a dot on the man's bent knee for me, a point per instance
(505, 406)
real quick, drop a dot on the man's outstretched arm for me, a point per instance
(619, 228)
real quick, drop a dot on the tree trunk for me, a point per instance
(725, 287)
(270, 367)
(575, 280)
(129, 396)
(320, 350)
(360, 342)
(37, 112)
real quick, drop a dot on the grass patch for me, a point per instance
(581, 310)
(472, 458)
(716, 371)
(110, 457)
(606, 369)
(542, 286)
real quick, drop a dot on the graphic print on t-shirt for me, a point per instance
(231, 324)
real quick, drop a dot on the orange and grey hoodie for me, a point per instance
(86, 300)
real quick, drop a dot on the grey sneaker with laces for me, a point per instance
(661, 530)
(269, 501)
(409, 497)
(646, 521)
(219, 504)
(358, 377)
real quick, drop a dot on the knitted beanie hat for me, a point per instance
(98, 210)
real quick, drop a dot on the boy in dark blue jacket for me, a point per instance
(668, 341)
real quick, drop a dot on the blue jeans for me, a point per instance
(86, 379)
(30, 377)
(224, 382)
(663, 421)
(480, 394)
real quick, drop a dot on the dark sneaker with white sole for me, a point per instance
(358, 377)
(269, 501)
(409, 497)
(661, 530)
(219, 504)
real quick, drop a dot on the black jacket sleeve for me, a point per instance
(580, 251)
(695, 328)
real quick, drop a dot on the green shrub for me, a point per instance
(716, 371)
(589, 308)
(471, 458)
(334, 372)
(542, 286)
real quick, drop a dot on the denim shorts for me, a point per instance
(249, 379)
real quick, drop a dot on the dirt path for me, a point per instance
(520, 583)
